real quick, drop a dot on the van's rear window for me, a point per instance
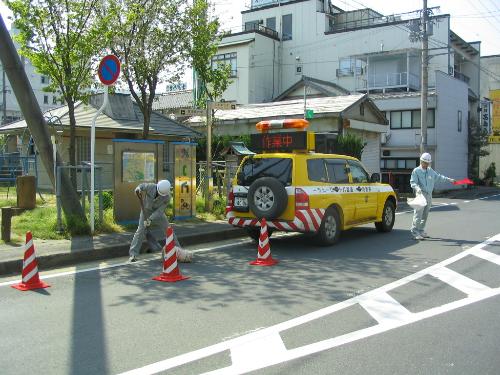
(254, 168)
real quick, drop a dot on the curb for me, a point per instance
(63, 259)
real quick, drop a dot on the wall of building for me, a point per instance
(409, 138)
(451, 155)
(263, 70)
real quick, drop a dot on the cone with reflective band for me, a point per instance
(171, 271)
(31, 279)
(264, 257)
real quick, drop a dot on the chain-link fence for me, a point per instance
(222, 175)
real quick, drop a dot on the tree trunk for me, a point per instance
(72, 140)
(147, 119)
(35, 121)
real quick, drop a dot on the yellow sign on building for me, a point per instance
(495, 113)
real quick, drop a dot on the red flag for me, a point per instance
(465, 181)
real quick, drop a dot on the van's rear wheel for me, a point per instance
(329, 231)
(388, 217)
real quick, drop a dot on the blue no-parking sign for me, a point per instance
(109, 69)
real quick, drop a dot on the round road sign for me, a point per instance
(109, 69)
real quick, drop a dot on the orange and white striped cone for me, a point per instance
(171, 271)
(31, 279)
(264, 257)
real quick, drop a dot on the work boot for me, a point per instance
(424, 234)
(418, 237)
(132, 259)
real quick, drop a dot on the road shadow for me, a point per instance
(221, 277)
(88, 341)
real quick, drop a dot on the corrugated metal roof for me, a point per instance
(332, 105)
(171, 100)
(84, 114)
(397, 95)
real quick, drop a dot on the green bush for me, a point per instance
(491, 172)
(349, 144)
(107, 200)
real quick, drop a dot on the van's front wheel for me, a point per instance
(388, 218)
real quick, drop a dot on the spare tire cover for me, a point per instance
(267, 198)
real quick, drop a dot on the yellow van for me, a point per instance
(308, 192)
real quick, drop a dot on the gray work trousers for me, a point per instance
(160, 222)
(420, 216)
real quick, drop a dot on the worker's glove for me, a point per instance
(418, 191)
(452, 180)
(147, 223)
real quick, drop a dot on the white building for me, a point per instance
(362, 51)
(9, 108)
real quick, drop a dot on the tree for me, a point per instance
(61, 39)
(477, 142)
(349, 144)
(213, 79)
(148, 37)
(36, 124)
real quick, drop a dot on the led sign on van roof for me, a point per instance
(279, 142)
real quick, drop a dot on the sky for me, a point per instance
(472, 20)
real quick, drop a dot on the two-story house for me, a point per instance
(362, 51)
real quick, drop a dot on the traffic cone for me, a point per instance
(31, 279)
(171, 271)
(264, 257)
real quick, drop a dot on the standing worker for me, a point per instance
(154, 199)
(422, 182)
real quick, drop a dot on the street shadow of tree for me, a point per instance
(219, 278)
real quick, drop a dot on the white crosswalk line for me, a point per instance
(487, 255)
(263, 350)
(458, 281)
(383, 308)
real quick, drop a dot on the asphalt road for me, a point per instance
(342, 309)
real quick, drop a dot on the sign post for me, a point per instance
(108, 72)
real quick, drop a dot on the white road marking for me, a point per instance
(387, 311)
(265, 349)
(458, 281)
(383, 308)
(489, 256)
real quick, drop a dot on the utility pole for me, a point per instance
(4, 98)
(425, 80)
(208, 181)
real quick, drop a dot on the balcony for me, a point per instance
(389, 81)
(252, 27)
(386, 71)
(461, 77)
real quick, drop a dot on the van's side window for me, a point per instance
(359, 175)
(337, 171)
(316, 170)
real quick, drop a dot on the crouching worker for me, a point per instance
(154, 199)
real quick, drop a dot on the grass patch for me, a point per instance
(42, 221)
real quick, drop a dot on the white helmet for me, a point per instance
(426, 157)
(163, 187)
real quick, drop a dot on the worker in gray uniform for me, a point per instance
(423, 179)
(154, 199)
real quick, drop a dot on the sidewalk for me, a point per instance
(58, 253)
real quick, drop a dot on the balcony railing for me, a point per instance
(260, 28)
(389, 80)
(461, 77)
